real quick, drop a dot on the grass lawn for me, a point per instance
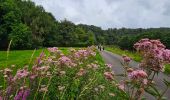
(21, 57)
(134, 55)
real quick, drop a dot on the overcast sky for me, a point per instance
(111, 13)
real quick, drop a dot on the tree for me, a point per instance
(21, 37)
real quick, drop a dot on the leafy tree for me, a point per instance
(21, 37)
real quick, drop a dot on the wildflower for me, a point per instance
(121, 86)
(39, 59)
(94, 66)
(33, 76)
(62, 73)
(126, 59)
(53, 49)
(145, 81)
(26, 94)
(61, 88)
(81, 72)
(166, 55)
(101, 87)
(1, 98)
(136, 74)
(49, 74)
(154, 53)
(109, 65)
(21, 74)
(129, 70)
(93, 53)
(7, 71)
(65, 61)
(43, 89)
(96, 89)
(22, 94)
(112, 94)
(108, 75)
(12, 66)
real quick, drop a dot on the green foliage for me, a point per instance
(46, 31)
(21, 37)
(134, 55)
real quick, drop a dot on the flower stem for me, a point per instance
(37, 88)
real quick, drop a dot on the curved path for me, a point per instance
(116, 61)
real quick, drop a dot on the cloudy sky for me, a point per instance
(111, 13)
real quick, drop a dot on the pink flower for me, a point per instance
(65, 61)
(53, 49)
(39, 59)
(1, 98)
(154, 53)
(7, 71)
(126, 59)
(166, 55)
(21, 74)
(145, 81)
(108, 75)
(22, 94)
(33, 76)
(137, 74)
(81, 72)
(121, 86)
(109, 65)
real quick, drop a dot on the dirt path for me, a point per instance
(116, 61)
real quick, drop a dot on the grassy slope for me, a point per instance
(135, 56)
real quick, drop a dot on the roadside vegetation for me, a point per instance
(79, 73)
(132, 54)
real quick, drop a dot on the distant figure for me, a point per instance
(103, 47)
(100, 48)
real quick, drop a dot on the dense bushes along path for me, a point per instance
(116, 61)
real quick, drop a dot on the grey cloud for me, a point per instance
(111, 13)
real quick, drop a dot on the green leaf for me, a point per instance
(153, 91)
(167, 83)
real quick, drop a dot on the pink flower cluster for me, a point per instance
(126, 59)
(81, 72)
(22, 94)
(154, 53)
(21, 74)
(53, 49)
(108, 75)
(93, 66)
(121, 85)
(84, 53)
(166, 55)
(137, 74)
(64, 60)
(147, 45)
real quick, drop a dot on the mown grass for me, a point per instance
(134, 55)
(20, 58)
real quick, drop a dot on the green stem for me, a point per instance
(37, 88)
(153, 76)
(86, 87)
(48, 84)
(162, 94)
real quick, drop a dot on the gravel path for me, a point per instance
(116, 61)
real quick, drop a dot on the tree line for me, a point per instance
(30, 26)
